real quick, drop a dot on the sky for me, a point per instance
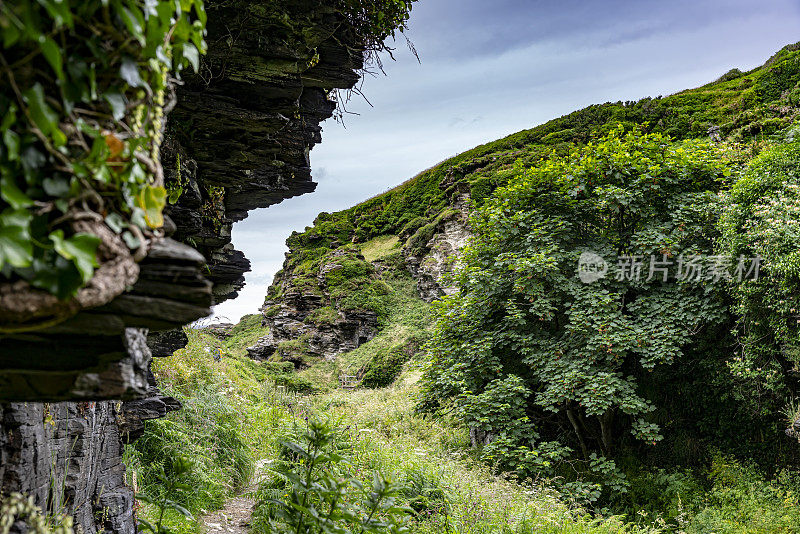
(487, 69)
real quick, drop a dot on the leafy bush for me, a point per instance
(741, 501)
(320, 495)
(294, 383)
(279, 368)
(525, 327)
(762, 218)
(385, 366)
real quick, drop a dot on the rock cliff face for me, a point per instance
(308, 314)
(69, 457)
(238, 139)
(308, 321)
(440, 252)
(243, 129)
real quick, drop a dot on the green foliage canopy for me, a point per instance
(539, 363)
(762, 218)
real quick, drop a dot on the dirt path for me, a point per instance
(234, 518)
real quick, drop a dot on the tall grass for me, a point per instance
(223, 429)
(236, 417)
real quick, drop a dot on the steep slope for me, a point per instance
(329, 296)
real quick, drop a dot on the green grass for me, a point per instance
(245, 333)
(222, 429)
(380, 247)
(235, 415)
(419, 452)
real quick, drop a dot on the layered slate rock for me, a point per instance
(101, 353)
(154, 405)
(295, 328)
(242, 131)
(69, 457)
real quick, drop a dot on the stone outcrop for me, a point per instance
(296, 328)
(101, 353)
(441, 252)
(437, 257)
(242, 131)
(239, 139)
(325, 340)
(305, 320)
(69, 457)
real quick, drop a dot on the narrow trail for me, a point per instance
(233, 518)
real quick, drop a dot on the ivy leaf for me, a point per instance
(114, 144)
(56, 187)
(115, 222)
(11, 193)
(81, 249)
(11, 35)
(130, 73)
(9, 118)
(59, 10)
(11, 140)
(133, 21)
(117, 103)
(43, 116)
(190, 52)
(16, 248)
(52, 53)
(61, 277)
(152, 201)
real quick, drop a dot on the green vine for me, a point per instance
(85, 88)
(213, 209)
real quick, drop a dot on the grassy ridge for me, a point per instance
(746, 107)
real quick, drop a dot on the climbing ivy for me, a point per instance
(85, 87)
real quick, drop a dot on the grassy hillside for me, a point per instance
(237, 417)
(745, 107)
(239, 412)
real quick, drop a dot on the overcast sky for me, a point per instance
(492, 68)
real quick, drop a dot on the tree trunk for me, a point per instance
(575, 424)
(606, 424)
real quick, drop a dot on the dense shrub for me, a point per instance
(763, 219)
(526, 327)
(385, 366)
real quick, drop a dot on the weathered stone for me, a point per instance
(68, 456)
(56, 368)
(165, 343)
(219, 330)
(442, 249)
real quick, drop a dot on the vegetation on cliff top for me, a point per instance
(83, 99)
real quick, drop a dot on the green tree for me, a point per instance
(541, 365)
(762, 218)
